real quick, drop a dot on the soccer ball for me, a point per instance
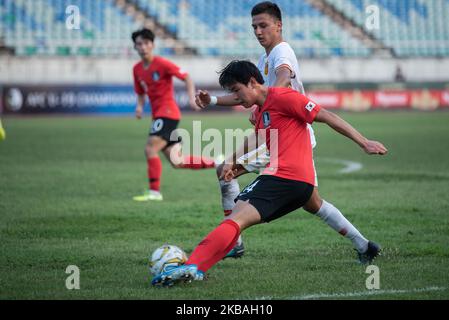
(165, 257)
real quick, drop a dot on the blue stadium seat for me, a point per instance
(410, 27)
(222, 27)
(39, 27)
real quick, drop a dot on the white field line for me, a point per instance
(357, 294)
(349, 166)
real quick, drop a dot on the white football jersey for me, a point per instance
(283, 54)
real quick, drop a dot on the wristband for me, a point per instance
(213, 101)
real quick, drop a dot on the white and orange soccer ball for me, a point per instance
(166, 257)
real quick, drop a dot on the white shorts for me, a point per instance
(256, 160)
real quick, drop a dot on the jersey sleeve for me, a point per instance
(283, 58)
(174, 71)
(137, 86)
(283, 61)
(299, 106)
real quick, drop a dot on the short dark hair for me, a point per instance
(239, 71)
(144, 33)
(267, 7)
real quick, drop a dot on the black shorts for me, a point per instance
(274, 197)
(164, 127)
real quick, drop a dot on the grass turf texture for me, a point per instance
(66, 187)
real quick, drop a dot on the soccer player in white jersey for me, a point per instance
(279, 68)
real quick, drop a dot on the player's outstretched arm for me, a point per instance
(139, 106)
(190, 86)
(341, 126)
(204, 99)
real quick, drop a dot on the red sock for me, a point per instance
(215, 246)
(154, 170)
(194, 162)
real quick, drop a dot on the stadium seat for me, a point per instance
(222, 27)
(409, 27)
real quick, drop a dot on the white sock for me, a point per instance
(239, 240)
(229, 191)
(335, 219)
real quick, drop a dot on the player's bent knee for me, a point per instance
(313, 207)
(245, 221)
(245, 215)
(151, 151)
(314, 204)
(147, 152)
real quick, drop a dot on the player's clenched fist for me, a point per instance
(202, 99)
(228, 172)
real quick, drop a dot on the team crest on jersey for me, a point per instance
(310, 106)
(156, 76)
(266, 119)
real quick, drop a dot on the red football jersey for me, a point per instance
(288, 112)
(157, 82)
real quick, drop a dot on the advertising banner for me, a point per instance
(78, 99)
(122, 99)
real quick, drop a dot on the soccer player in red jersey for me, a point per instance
(279, 68)
(286, 184)
(153, 77)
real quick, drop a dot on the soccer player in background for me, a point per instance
(153, 77)
(279, 68)
(286, 184)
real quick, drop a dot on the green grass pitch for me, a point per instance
(66, 188)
